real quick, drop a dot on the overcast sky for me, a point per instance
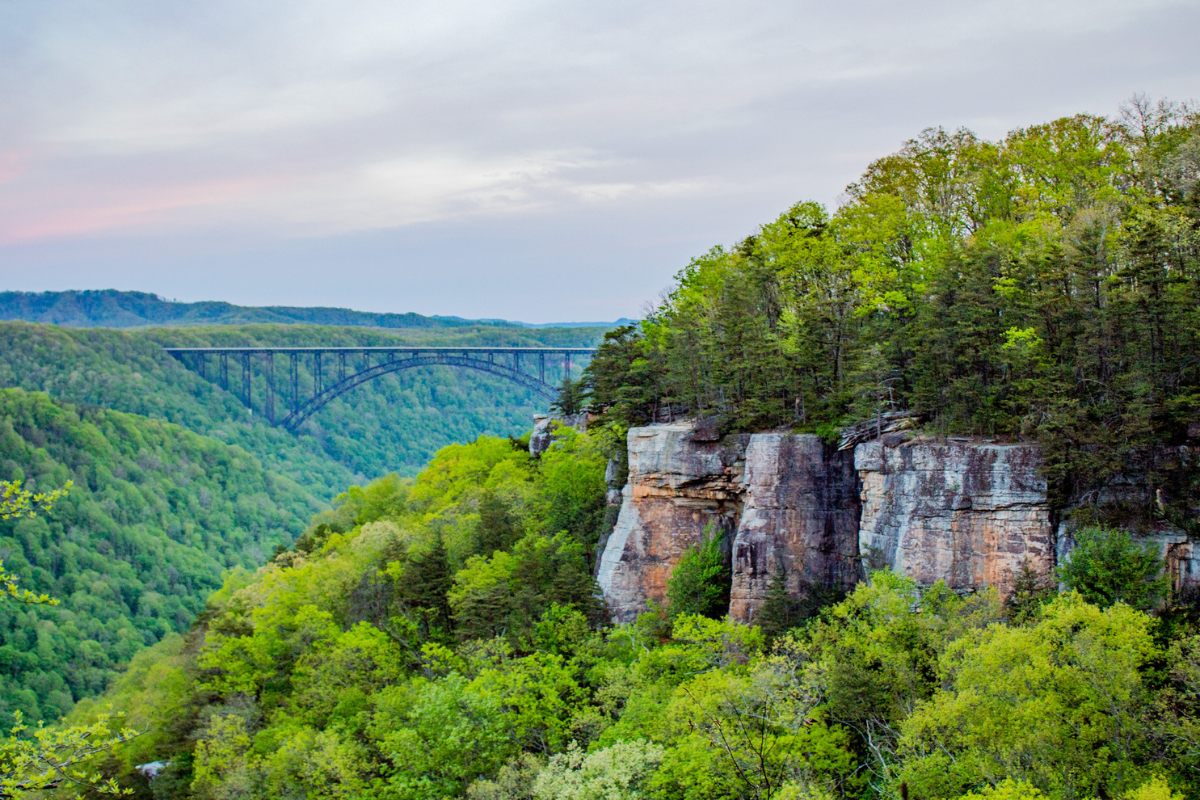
(541, 161)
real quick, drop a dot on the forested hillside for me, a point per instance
(155, 516)
(444, 640)
(112, 309)
(394, 423)
(1044, 287)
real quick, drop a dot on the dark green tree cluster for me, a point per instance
(154, 516)
(1046, 286)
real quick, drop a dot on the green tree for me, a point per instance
(46, 758)
(1107, 566)
(1030, 591)
(780, 611)
(611, 773)
(700, 581)
(1060, 704)
(570, 397)
(497, 527)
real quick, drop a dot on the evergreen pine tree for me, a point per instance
(1030, 592)
(496, 529)
(425, 584)
(780, 611)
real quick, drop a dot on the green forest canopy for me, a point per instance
(443, 640)
(155, 517)
(392, 424)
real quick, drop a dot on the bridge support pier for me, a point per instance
(246, 382)
(270, 387)
(295, 359)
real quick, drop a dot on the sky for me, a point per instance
(539, 161)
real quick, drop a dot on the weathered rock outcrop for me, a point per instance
(969, 514)
(964, 513)
(677, 488)
(543, 429)
(800, 515)
(781, 500)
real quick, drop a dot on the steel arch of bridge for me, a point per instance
(394, 360)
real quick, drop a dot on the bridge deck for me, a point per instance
(571, 350)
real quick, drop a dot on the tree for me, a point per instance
(1108, 567)
(780, 611)
(700, 582)
(1031, 591)
(48, 757)
(424, 583)
(1061, 704)
(613, 773)
(16, 502)
(497, 530)
(570, 397)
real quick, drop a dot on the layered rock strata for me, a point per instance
(967, 514)
(783, 502)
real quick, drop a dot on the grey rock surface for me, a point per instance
(965, 513)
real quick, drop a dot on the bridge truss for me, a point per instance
(354, 366)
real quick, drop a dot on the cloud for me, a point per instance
(228, 127)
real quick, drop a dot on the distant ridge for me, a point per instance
(506, 322)
(110, 308)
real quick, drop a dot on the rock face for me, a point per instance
(543, 429)
(968, 514)
(800, 515)
(781, 500)
(677, 488)
(964, 513)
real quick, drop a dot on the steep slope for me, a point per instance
(156, 515)
(112, 369)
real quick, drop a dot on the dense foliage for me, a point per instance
(153, 517)
(441, 639)
(394, 423)
(1046, 286)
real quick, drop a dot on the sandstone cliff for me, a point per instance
(969, 514)
(800, 516)
(677, 487)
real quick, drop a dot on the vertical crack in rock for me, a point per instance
(677, 487)
(800, 514)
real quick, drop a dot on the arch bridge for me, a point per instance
(352, 366)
